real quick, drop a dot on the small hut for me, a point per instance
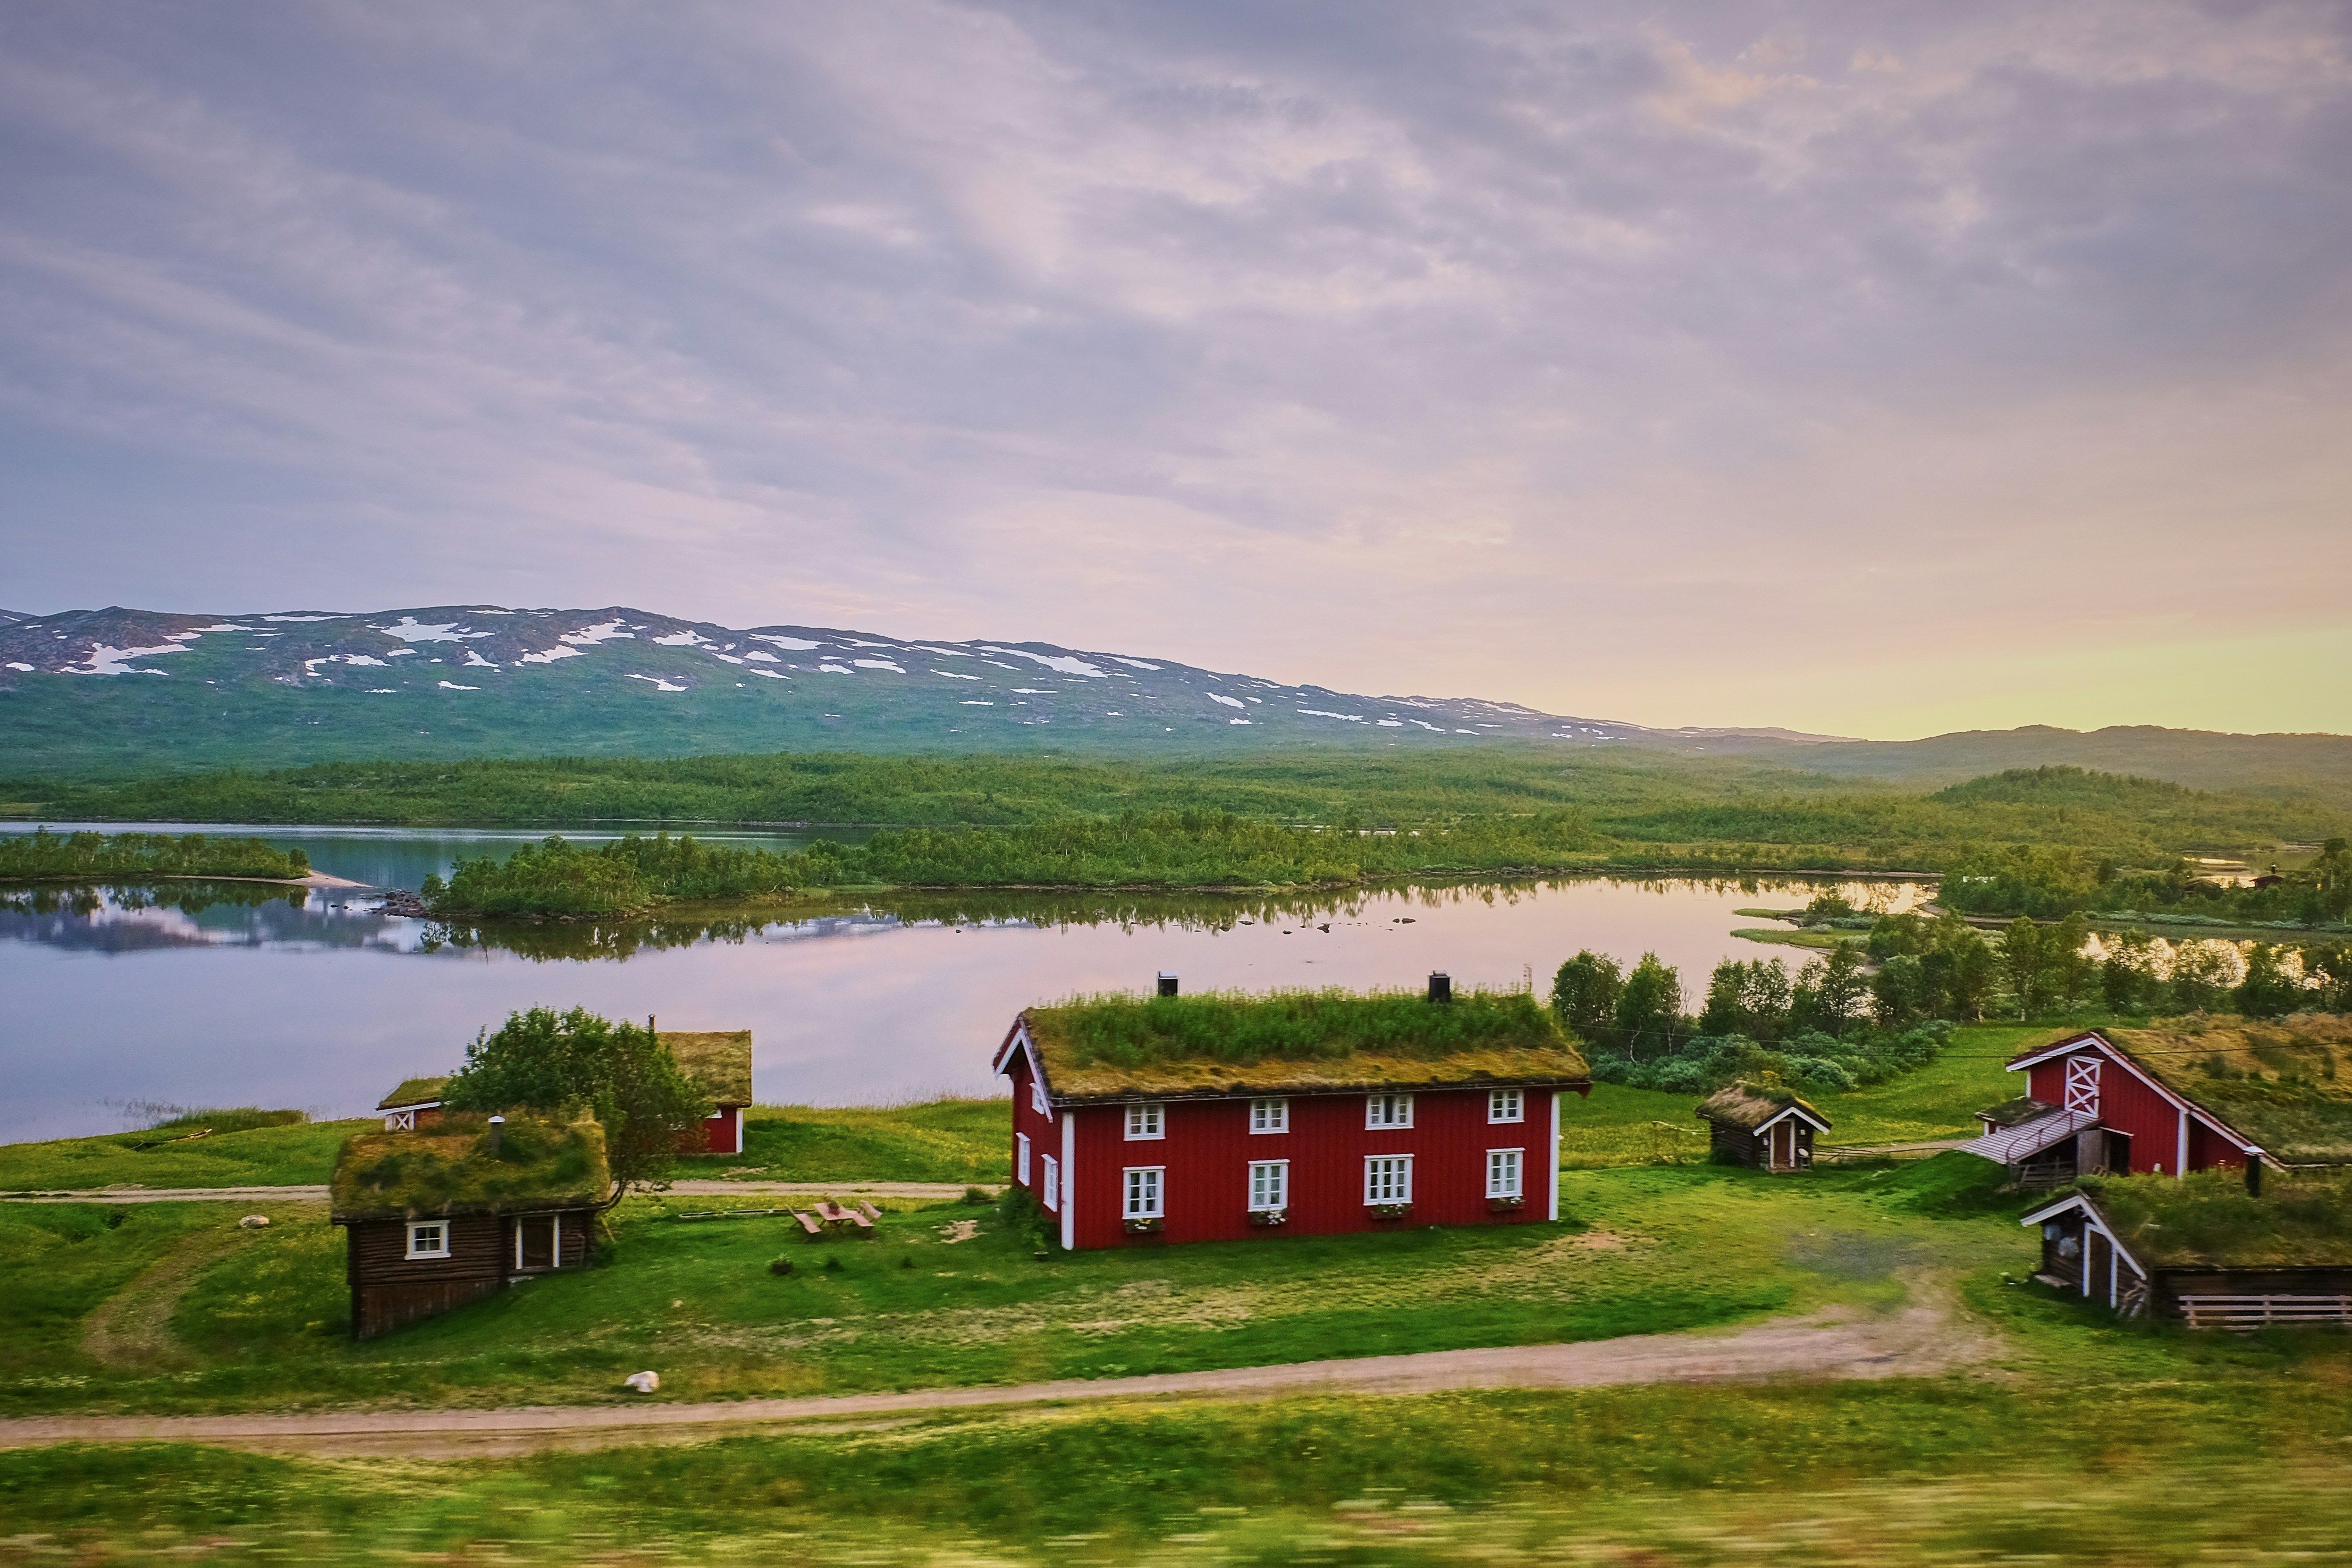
(2211, 1247)
(461, 1208)
(1764, 1128)
(719, 1063)
(415, 1103)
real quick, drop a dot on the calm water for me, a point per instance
(200, 994)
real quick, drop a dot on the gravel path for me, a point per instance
(306, 1195)
(1923, 1338)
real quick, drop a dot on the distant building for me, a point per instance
(720, 1062)
(415, 1103)
(1216, 1118)
(2190, 1094)
(2208, 1248)
(456, 1210)
(1763, 1128)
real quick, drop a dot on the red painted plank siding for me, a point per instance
(2129, 1103)
(1208, 1149)
(1041, 1129)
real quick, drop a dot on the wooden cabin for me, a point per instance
(1763, 1127)
(1140, 1121)
(2212, 1248)
(460, 1208)
(415, 1103)
(719, 1063)
(2182, 1095)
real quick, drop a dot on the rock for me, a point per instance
(254, 1222)
(643, 1381)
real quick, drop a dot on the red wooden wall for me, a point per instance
(2127, 1103)
(1209, 1148)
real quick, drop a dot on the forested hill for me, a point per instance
(121, 691)
(2283, 766)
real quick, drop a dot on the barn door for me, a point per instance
(1784, 1145)
(2082, 1084)
(535, 1241)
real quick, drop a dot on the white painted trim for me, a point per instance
(1069, 1181)
(2094, 1220)
(1020, 1158)
(1518, 1107)
(417, 1225)
(555, 1231)
(1373, 1099)
(1280, 1100)
(1405, 1164)
(739, 1131)
(2181, 1164)
(1158, 1109)
(1520, 1170)
(1552, 1209)
(1052, 1184)
(2117, 1054)
(1799, 1113)
(1282, 1202)
(1127, 1209)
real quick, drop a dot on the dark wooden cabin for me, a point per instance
(460, 1208)
(2215, 1248)
(1763, 1128)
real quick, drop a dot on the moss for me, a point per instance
(1750, 1105)
(1297, 1039)
(718, 1060)
(414, 1091)
(451, 1167)
(2209, 1220)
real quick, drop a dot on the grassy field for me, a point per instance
(944, 1294)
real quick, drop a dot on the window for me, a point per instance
(1269, 1185)
(1020, 1158)
(1053, 1183)
(1387, 1179)
(1388, 1110)
(1503, 1173)
(1269, 1116)
(1505, 1105)
(1143, 1191)
(1037, 1101)
(1144, 1120)
(428, 1238)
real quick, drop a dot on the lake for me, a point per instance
(208, 994)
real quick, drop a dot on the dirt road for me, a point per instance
(1923, 1338)
(318, 1194)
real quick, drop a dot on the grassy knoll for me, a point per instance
(299, 1153)
(949, 1294)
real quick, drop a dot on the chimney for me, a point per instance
(498, 1133)
(2254, 1173)
(1440, 986)
(1167, 983)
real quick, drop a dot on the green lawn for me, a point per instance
(1642, 1248)
(302, 1154)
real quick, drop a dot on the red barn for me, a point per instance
(719, 1063)
(1218, 1116)
(2182, 1095)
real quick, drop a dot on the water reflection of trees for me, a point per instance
(189, 898)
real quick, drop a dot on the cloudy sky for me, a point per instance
(1878, 369)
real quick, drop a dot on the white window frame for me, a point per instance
(1053, 1188)
(1269, 1116)
(1505, 1105)
(439, 1227)
(1383, 1112)
(1269, 1185)
(1146, 1120)
(554, 1239)
(1143, 1191)
(1037, 1100)
(1510, 1165)
(1388, 1178)
(1020, 1158)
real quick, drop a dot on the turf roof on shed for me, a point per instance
(1298, 1041)
(1750, 1105)
(718, 1060)
(2285, 1085)
(2208, 1220)
(449, 1168)
(416, 1091)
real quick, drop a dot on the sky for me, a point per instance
(1873, 369)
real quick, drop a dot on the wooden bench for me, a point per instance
(808, 1224)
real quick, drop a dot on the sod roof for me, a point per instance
(1751, 1105)
(2016, 1112)
(2208, 1220)
(414, 1091)
(1296, 1042)
(2288, 1086)
(718, 1060)
(449, 1168)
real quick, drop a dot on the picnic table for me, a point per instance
(840, 1219)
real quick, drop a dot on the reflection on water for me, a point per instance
(210, 993)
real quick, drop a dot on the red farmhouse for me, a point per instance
(2182, 1095)
(719, 1063)
(1218, 1116)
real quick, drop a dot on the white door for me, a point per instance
(2082, 1084)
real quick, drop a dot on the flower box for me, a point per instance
(1269, 1216)
(1145, 1226)
(1391, 1211)
(1505, 1206)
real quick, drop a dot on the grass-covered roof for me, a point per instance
(1299, 1042)
(416, 1091)
(718, 1060)
(1750, 1105)
(2208, 1220)
(2016, 1112)
(2285, 1085)
(450, 1168)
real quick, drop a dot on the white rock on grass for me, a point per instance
(254, 1222)
(643, 1381)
